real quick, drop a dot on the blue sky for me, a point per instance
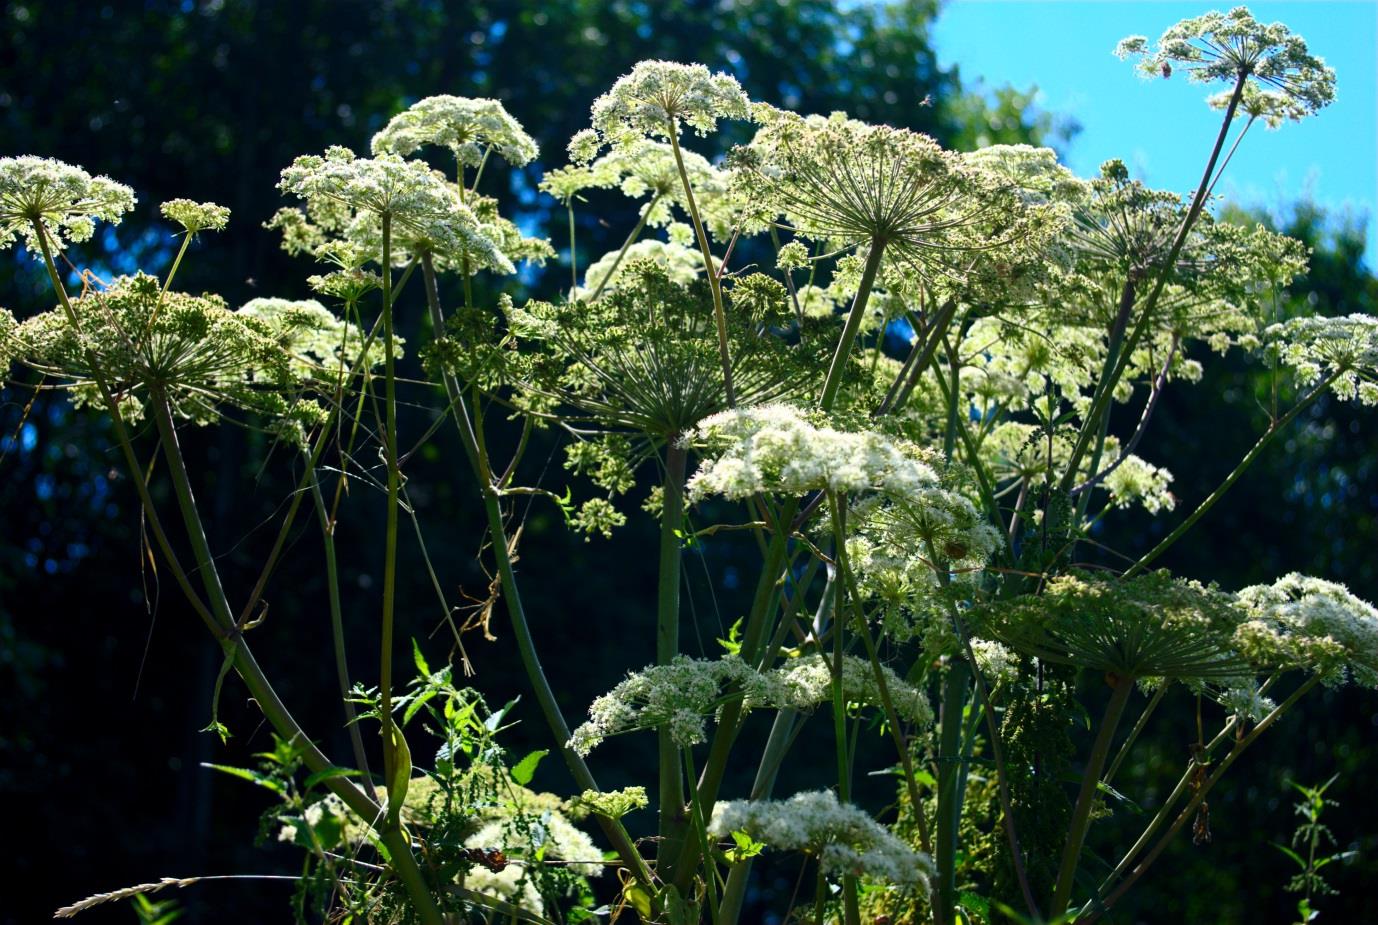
(1162, 128)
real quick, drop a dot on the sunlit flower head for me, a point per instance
(657, 97)
(845, 839)
(195, 217)
(846, 183)
(470, 128)
(1346, 347)
(1229, 46)
(64, 200)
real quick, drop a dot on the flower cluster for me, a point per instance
(774, 449)
(425, 209)
(192, 351)
(63, 200)
(1309, 623)
(1152, 626)
(658, 96)
(678, 695)
(845, 839)
(320, 345)
(614, 803)
(1345, 347)
(806, 682)
(470, 128)
(195, 217)
(846, 183)
(1231, 46)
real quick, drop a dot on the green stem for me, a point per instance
(497, 532)
(949, 800)
(631, 239)
(332, 576)
(394, 482)
(1086, 797)
(1106, 387)
(1139, 725)
(218, 618)
(849, 330)
(671, 828)
(573, 258)
(1200, 796)
(714, 284)
(1273, 430)
(836, 503)
(710, 872)
(781, 734)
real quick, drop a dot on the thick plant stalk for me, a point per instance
(949, 800)
(613, 829)
(714, 283)
(391, 751)
(849, 330)
(672, 821)
(1086, 797)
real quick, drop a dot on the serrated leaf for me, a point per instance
(524, 770)
(419, 659)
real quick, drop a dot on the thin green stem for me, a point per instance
(631, 239)
(1273, 430)
(1133, 737)
(714, 283)
(337, 637)
(1086, 796)
(700, 825)
(836, 504)
(1105, 389)
(391, 751)
(849, 330)
(1200, 796)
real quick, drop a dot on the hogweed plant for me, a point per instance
(918, 514)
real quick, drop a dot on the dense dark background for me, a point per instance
(105, 676)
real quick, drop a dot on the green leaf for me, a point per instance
(524, 770)
(733, 643)
(419, 659)
(329, 774)
(253, 777)
(219, 729)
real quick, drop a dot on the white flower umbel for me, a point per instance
(319, 342)
(659, 96)
(1136, 481)
(845, 839)
(1227, 46)
(681, 264)
(470, 128)
(1309, 623)
(806, 682)
(678, 695)
(774, 449)
(415, 197)
(1346, 347)
(195, 217)
(65, 200)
